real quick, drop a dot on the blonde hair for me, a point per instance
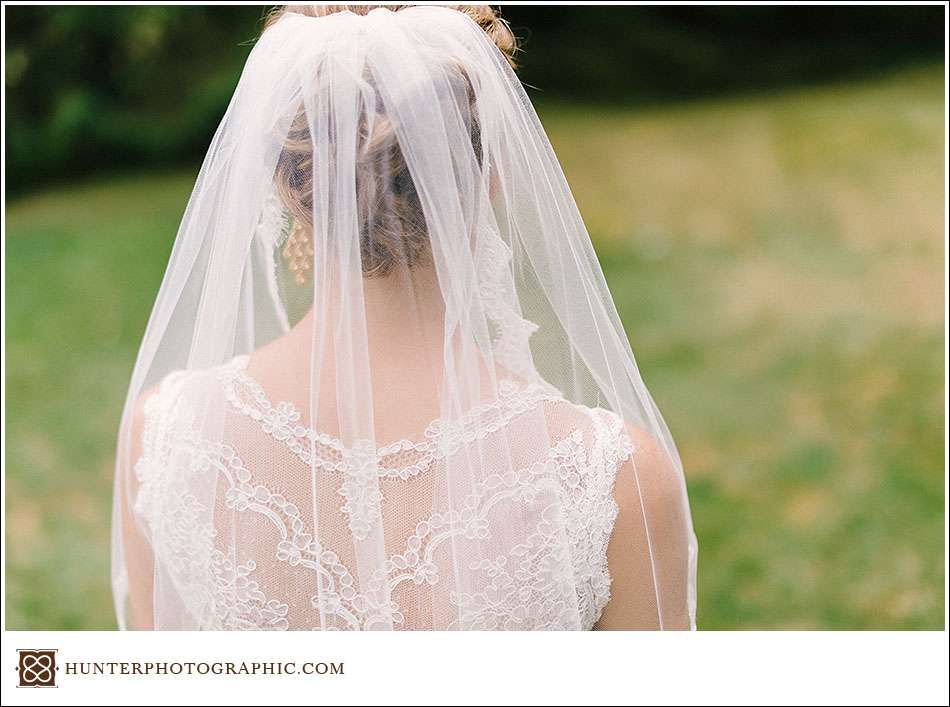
(392, 229)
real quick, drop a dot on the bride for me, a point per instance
(384, 384)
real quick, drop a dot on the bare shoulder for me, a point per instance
(135, 544)
(649, 475)
(648, 550)
(139, 408)
(133, 426)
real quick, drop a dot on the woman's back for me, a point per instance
(537, 524)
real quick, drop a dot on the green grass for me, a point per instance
(778, 264)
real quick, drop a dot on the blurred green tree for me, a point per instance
(91, 87)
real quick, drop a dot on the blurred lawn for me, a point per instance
(777, 261)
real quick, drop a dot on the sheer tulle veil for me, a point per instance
(384, 384)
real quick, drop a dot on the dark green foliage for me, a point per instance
(98, 88)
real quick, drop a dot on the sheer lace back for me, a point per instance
(537, 531)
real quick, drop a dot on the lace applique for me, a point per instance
(336, 597)
(587, 477)
(541, 582)
(496, 289)
(526, 588)
(361, 463)
(237, 603)
(175, 461)
(529, 590)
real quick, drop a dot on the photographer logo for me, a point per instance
(37, 668)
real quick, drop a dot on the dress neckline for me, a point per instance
(440, 437)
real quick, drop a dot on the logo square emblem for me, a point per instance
(37, 668)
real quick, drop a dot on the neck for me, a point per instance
(402, 312)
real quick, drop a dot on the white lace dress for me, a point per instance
(287, 504)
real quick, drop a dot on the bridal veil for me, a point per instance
(384, 384)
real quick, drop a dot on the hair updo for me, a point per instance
(393, 233)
